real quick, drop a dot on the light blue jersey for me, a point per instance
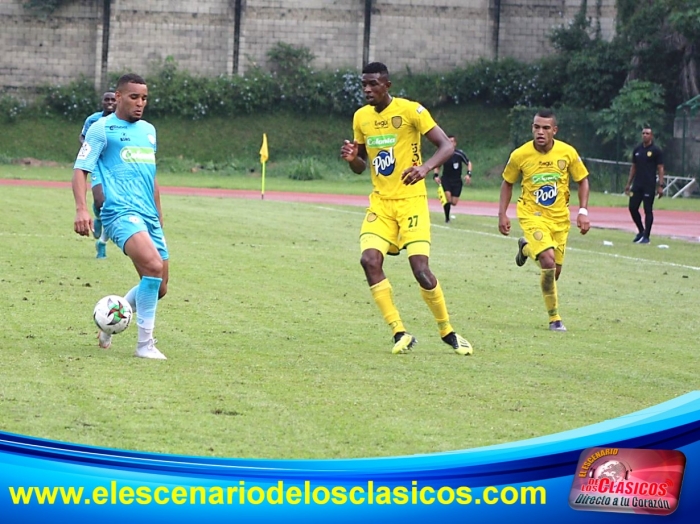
(95, 177)
(91, 120)
(123, 155)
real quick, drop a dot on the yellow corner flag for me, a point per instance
(441, 195)
(263, 159)
(263, 150)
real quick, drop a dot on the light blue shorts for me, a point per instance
(124, 227)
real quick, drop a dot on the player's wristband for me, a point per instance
(583, 211)
(469, 173)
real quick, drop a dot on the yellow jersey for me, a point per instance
(545, 179)
(392, 140)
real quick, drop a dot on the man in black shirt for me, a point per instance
(452, 177)
(647, 159)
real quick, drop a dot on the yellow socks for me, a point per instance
(384, 297)
(436, 302)
(548, 283)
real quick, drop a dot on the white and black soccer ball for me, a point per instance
(112, 314)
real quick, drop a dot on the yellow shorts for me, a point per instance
(543, 234)
(392, 225)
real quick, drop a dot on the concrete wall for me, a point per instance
(332, 29)
(35, 50)
(423, 35)
(525, 25)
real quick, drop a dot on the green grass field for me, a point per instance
(276, 349)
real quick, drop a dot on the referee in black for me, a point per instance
(452, 177)
(647, 160)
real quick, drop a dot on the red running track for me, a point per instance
(675, 224)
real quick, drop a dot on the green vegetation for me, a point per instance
(230, 146)
(276, 349)
(44, 7)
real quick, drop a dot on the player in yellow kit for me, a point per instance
(545, 165)
(387, 134)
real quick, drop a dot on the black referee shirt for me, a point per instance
(647, 160)
(452, 169)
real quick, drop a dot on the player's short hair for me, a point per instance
(451, 136)
(375, 67)
(547, 113)
(129, 78)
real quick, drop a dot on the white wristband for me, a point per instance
(583, 211)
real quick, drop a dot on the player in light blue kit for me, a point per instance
(122, 149)
(109, 101)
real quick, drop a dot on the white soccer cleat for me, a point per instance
(149, 350)
(104, 339)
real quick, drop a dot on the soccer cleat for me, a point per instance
(643, 240)
(149, 350)
(97, 228)
(520, 258)
(556, 325)
(104, 339)
(638, 237)
(101, 249)
(403, 343)
(460, 344)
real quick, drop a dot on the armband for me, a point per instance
(469, 173)
(583, 211)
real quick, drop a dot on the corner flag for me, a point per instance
(263, 150)
(441, 195)
(263, 159)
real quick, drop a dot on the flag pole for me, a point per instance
(263, 161)
(262, 192)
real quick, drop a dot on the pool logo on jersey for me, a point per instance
(385, 162)
(546, 195)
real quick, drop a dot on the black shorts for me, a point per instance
(454, 187)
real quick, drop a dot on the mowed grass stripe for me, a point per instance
(276, 348)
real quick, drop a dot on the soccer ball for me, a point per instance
(112, 314)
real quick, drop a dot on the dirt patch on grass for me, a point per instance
(35, 162)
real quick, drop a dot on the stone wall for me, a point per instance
(35, 50)
(207, 37)
(525, 25)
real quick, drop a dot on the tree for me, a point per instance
(639, 104)
(665, 37)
